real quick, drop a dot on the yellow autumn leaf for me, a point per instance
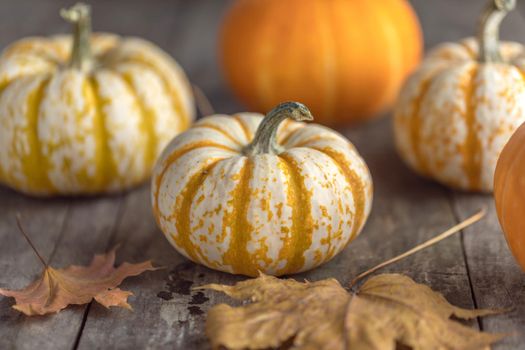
(388, 310)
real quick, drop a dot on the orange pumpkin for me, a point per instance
(345, 59)
(509, 193)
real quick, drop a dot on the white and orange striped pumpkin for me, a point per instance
(230, 197)
(457, 111)
(93, 124)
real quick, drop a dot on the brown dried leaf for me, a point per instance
(58, 288)
(389, 309)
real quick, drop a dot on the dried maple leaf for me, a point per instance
(389, 309)
(58, 288)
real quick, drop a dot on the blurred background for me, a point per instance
(188, 29)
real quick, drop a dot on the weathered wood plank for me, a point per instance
(44, 222)
(163, 315)
(497, 280)
(82, 236)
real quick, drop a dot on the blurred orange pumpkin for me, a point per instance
(345, 59)
(509, 193)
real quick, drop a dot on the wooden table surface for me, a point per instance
(473, 269)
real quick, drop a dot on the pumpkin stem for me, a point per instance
(488, 35)
(264, 140)
(80, 16)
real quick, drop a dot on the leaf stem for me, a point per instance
(474, 218)
(26, 236)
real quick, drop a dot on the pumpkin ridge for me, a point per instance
(520, 70)
(302, 225)
(173, 157)
(21, 48)
(182, 214)
(244, 128)
(220, 130)
(175, 98)
(237, 255)
(321, 137)
(288, 136)
(4, 173)
(108, 168)
(147, 120)
(471, 53)
(35, 168)
(356, 187)
(472, 155)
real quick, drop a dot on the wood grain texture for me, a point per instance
(497, 279)
(475, 269)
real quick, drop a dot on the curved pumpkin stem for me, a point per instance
(488, 35)
(80, 16)
(264, 140)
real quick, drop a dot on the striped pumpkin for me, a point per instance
(456, 113)
(95, 123)
(230, 197)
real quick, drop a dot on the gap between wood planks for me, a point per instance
(49, 258)
(120, 212)
(455, 214)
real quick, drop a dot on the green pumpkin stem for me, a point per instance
(264, 140)
(80, 16)
(488, 34)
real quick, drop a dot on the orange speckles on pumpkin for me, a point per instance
(356, 187)
(211, 231)
(200, 199)
(324, 212)
(173, 157)
(260, 255)
(318, 257)
(265, 206)
(279, 207)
